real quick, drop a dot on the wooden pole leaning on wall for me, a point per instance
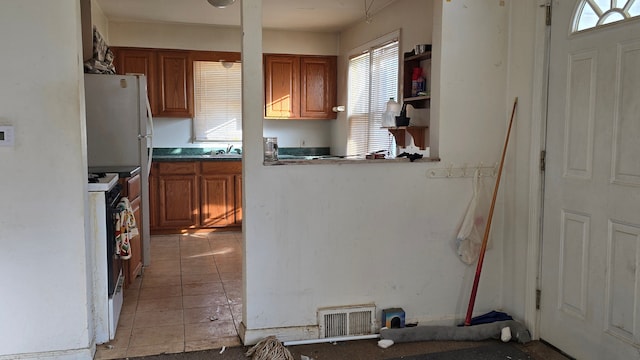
(485, 239)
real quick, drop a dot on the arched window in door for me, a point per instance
(594, 13)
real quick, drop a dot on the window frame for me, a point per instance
(369, 48)
(211, 56)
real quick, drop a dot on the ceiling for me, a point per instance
(300, 15)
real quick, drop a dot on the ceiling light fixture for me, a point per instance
(221, 3)
(368, 17)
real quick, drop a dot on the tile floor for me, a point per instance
(188, 299)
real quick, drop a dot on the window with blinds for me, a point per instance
(217, 101)
(373, 79)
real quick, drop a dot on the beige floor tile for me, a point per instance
(159, 318)
(121, 340)
(209, 331)
(196, 261)
(159, 335)
(230, 276)
(201, 301)
(155, 281)
(164, 304)
(190, 253)
(213, 287)
(204, 315)
(234, 297)
(125, 321)
(129, 306)
(199, 278)
(160, 292)
(164, 254)
(217, 343)
(168, 348)
(104, 353)
(182, 286)
(232, 285)
(135, 284)
(199, 269)
(162, 268)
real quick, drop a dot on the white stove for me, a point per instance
(104, 194)
(104, 183)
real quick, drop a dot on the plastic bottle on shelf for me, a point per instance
(389, 116)
(417, 81)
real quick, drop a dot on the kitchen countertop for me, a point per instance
(122, 171)
(338, 160)
(194, 154)
(166, 158)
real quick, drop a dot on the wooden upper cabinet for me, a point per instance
(169, 78)
(318, 87)
(300, 86)
(138, 61)
(175, 98)
(282, 86)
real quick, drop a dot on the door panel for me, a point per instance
(590, 273)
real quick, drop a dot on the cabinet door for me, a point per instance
(318, 87)
(282, 86)
(178, 206)
(133, 266)
(175, 96)
(217, 200)
(139, 61)
(238, 199)
(154, 191)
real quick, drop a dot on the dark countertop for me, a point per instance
(195, 154)
(122, 171)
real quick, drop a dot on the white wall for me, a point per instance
(177, 132)
(522, 179)
(44, 304)
(382, 233)
(99, 20)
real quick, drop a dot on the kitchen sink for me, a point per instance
(225, 156)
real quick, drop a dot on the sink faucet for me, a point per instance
(229, 148)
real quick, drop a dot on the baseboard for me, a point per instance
(253, 336)
(76, 354)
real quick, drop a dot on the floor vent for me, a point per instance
(347, 321)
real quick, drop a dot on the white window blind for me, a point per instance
(217, 101)
(373, 79)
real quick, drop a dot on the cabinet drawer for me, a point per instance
(221, 167)
(133, 187)
(177, 168)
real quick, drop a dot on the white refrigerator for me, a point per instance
(120, 131)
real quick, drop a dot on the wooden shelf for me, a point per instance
(411, 62)
(424, 56)
(420, 135)
(418, 98)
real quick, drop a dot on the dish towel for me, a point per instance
(126, 228)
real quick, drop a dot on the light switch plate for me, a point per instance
(6, 136)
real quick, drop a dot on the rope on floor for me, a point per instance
(269, 348)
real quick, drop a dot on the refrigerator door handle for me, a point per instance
(149, 136)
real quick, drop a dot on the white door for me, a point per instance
(590, 295)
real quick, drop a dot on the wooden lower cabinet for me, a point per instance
(217, 200)
(195, 195)
(178, 201)
(238, 199)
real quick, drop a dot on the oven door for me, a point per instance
(114, 263)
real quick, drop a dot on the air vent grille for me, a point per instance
(346, 321)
